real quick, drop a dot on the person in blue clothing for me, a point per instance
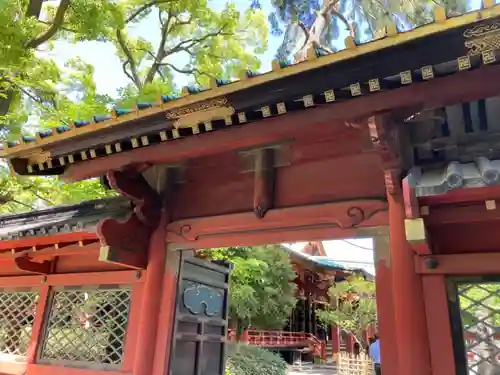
(375, 355)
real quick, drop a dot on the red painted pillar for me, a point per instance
(409, 306)
(335, 340)
(151, 301)
(350, 343)
(385, 306)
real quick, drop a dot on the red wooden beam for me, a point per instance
(54, 251)
(50, 240)
(313, 222)
(458, 264)
(466, 86)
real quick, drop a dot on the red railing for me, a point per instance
(282, 339)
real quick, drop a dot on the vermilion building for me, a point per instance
(395, 139)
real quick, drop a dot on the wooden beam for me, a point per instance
(264, 172)
(458, 264)
(50, 240)
(304, 223)
(28, 265)
(434, 93)
(54, 251)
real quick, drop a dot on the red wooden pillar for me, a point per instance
(151, 302)
(385, 306)
(335, 340)
(350, 343)
(409, 306)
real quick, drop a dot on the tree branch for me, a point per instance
(34, 8)
(145, 7)
(192, 71)
(50, 32)
(134, 76)
(192, 42)
(160, 54)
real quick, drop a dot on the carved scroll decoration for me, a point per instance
(126, 242)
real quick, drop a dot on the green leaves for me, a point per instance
(353, 305)
(251, 360)
(262, 291)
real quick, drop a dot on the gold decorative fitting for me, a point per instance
(350, 43)
(242, 117)
(135, 142)
(196, 129)
(187, 116)
(175, 133)
(311, 53)
(118, 147)
(163, 136)
(108, 149)
(405, 77)
(355, 89)
(62, 161)
(275, 65)
(488, 57)
(464, 63)
(208, 126)
(281, 108)
(228, 120)
(427, 72)
(145, 140)
(483, 37)
(71, 159)
(439, 14)
(29, 168)
(92, 153)
(488, 4)
(266, 111)
(329, 96)
(40, 166)
(391, 29)
(308, 101)
(49, 164)
(374, 84)
(83, 154)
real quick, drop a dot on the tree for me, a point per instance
(318, 24)
(352, 306)
(211, 43)
(262, 291)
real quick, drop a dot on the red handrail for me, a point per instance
(281, 339)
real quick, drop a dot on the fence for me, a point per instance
(350, 364)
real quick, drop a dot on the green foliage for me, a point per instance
(353, 306)
(19, 193)
(474, 298)
(251, 360)
(262, 292)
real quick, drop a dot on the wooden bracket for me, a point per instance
(416, 235)
(412, 209)
(28, 265)
(263, 193)
(385, 139)
(127, 242)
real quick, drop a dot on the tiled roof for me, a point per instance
(62, 219)
(479, 173)
(379, 71)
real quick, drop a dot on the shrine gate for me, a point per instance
(397, 139)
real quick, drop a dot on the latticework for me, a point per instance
(480, 313)
(87, 326)
(16, 321)
(350, 364)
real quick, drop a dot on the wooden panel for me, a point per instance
(465, 238)
(59, 370)
(330, 180)
(84, 263)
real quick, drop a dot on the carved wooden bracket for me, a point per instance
(126, 242)
(416, 235)
(384, 135)
(28, 265)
